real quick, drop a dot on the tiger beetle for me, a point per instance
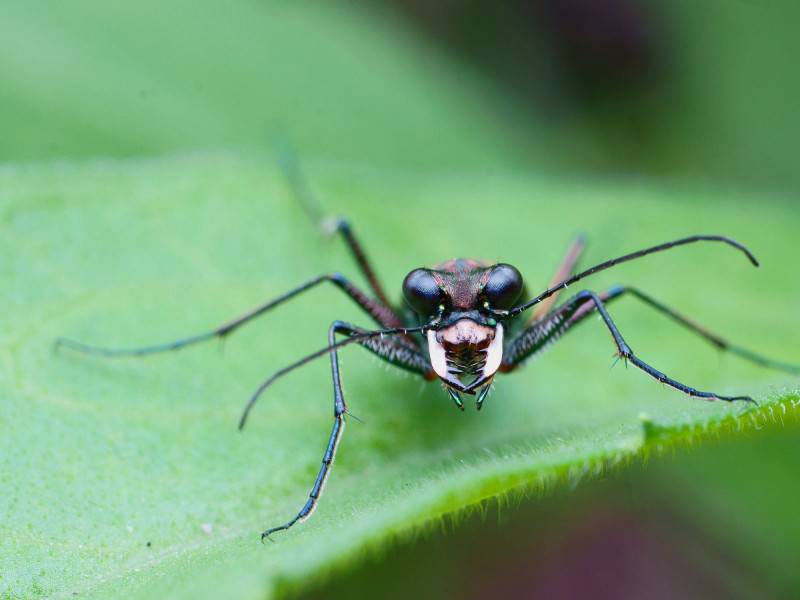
(463, 322)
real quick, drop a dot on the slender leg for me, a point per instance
(343, 226)
(380, 310)
(295, 177)
(381, 313)
(709, 336)
(398, 351)
(564, 270)
(384, 349)
(535, 338)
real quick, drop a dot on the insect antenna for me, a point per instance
(627, 257)
(357, 337)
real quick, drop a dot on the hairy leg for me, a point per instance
(390, 350)
(398, 351)
(540, 335)
(700, 330)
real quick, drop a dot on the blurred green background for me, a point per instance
(580, 115)
(670, 88)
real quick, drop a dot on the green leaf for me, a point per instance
(128, 478)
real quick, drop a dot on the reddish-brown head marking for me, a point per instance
(467, 348)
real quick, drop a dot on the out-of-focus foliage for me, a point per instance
(665, 87)
(98, 78)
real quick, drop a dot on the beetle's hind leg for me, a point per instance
(565, 270)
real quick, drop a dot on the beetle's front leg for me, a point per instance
(394, 351)
(541, 334)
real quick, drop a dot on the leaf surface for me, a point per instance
(128, 477)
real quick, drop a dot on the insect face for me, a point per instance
(460, 297)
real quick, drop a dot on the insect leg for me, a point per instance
(538, 336)
(295, 177)
(398, 351)
(380, 312)
(343, 227)
(541, 334)
(383, 349)
(700, 330)
(564, 270)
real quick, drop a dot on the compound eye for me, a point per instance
(422, 292)
(503, 286)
